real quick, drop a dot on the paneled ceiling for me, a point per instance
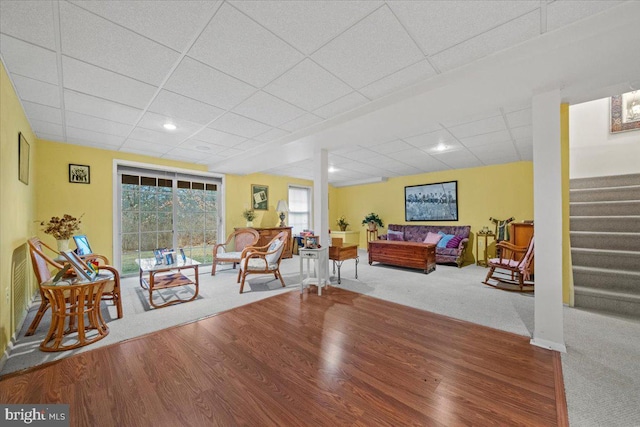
(389, 88)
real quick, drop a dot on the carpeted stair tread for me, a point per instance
(609, 271)
(603, 293)
(631, 192)
(620, 223)
(606, 208)
(605, 240)
(605, 181)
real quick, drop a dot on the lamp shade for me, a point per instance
(282, 206)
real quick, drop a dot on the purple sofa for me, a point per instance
(417, 233)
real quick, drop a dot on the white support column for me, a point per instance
(547, 194)
(321, 197)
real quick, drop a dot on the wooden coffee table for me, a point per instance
(404, 254)
(339, 254)
(164, 276)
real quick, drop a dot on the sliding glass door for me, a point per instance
(166, 210)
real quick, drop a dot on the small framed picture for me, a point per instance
(183, 256)
(311, 242)
(260, 197)
(79, 174)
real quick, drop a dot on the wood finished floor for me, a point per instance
(291, 360)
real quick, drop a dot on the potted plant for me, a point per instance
(249, 215)
(342, 223)
(373, 221)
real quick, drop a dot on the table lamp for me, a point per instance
(282, 208)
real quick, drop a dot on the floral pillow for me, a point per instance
(432, 238)
(398, 236)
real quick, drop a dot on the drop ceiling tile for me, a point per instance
(457, 161)
(37, 91)
(31, 21)
(156, 122)
(237, 45)
(456, 21)
(561, 13)
(202, 146)
(268, 109)
(97, 41)
(145, 147)
(42, 112)
(172, 23)
(390, 147)
(272, 135)
(184, 155)
(98, 145)
(374, 48)
(517, 105)
(401, 79)
(149, 135)
(219, 138)
(46, 127)
(239, 125)
(29, 60)
(249, 145)
(230, 152)
(418, 159)
(469, 118)
(525, 148)
(84, 136)
(337, 160)
(213, 87)
(502, 37)
(51, 137)
(444, 147)
(523, 132)
(430, 139)
(180, 107)
(307, 25)
(82, 121)
(519, 118)
(341, 105)
(308, 86)
(492, 124)
(501, 150)
(403, 169)
(88, 79)
(97, 107)
(301, 122)
(487, 138)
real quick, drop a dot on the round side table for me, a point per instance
(79, 303)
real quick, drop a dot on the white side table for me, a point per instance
(321, 267)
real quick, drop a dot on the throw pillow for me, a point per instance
(273, 258)
(432, 238)
(398, 236)
(445, 239)
(455, 242)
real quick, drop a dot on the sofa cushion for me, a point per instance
(444, 240)
(432, 238)
(398, 236)
(454, 242)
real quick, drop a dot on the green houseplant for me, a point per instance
(249, 215)
(342, 223)
(373, 221)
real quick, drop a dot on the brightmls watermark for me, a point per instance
(34, 415)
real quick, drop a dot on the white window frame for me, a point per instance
(310, 199)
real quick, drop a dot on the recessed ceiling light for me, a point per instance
(169, 126)
(441, 147)
(332, 169)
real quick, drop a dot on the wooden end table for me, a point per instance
(77, 304)
(164, 276)
(339, 254)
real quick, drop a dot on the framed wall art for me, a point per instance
(431, 202)
(625, 112)
(23, 159)
(79, 174)
(260, 197)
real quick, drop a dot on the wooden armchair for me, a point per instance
(42, 263)
(513, 268)
(231, 250)
(263, 259)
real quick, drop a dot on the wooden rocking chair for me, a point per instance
(513, 268)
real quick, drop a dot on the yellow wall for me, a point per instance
(238, 198)
(567, 265)
(500, 191)
(17, 204)
(56, 196)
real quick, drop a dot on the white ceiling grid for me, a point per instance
(237, 77)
